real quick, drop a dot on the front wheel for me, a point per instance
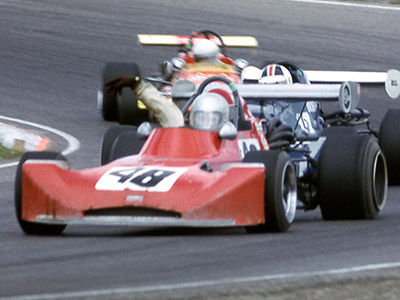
(280, 190)
(109, 138)
(31, 227)
(126, 144)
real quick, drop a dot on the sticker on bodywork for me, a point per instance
(247, 145)
(152, 179)
(305, 122)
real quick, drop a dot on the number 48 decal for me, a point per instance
(153, 179)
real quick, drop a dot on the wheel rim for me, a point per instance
(379, 181)
(289, 195)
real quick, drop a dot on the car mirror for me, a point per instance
(183, 89)
(241, 63)
(144, 130)
(228, 131)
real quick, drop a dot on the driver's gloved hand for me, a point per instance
(279, 135)
(124, 81)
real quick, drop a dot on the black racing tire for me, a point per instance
(126, 144)
(109, 138)
(280, 190)
(111, 71)
(389, 141)
(129, 112)
(31, 227)
(351, 178)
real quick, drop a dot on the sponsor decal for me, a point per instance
(312, 106)
(260, 129)
(305, 122)
(134, 198)
(247, 145)
(152, 179)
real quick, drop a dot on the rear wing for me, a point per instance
(347, 93)
(342, 76)
(391, 79)
(182, 40)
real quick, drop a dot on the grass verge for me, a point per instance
(6, 153)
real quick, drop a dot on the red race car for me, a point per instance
(201, 55)
(225, 174)
(181, 177)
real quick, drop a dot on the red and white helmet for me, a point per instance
(276, 74)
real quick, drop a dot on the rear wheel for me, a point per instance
(280, 190)
(31, 227)
(352, 178)
(389, 141)
(111, 71)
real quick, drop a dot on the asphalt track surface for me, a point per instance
(51, 54)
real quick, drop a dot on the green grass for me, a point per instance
(6, 153)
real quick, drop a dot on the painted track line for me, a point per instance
(356, 5)
(159, 288)
(73, 143)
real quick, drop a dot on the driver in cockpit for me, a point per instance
(209, 111)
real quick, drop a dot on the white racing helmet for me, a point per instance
(209, 111)
(205, 50)
(276, 74)
(251, 75)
